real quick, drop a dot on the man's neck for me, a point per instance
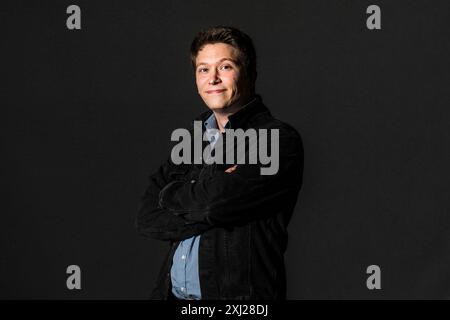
(222, 117)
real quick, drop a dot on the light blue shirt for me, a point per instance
(184, 271)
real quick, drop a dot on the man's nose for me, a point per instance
(214, 79)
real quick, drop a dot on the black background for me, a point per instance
(86, 116)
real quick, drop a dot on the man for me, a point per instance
(226, 223)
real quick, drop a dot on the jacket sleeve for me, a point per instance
(157, 223)
(241, 196)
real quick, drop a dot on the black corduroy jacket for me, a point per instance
(242, 216)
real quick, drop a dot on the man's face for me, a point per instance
(219, 78)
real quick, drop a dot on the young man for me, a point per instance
(226, 222)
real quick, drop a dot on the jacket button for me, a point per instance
(192, 181)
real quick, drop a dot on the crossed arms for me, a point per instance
(174, 207)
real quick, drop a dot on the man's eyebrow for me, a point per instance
(223, 59)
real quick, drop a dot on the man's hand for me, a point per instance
(231, 169)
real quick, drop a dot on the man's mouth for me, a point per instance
(215, 91)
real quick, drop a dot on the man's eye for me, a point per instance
(202, 70)
(226, 67)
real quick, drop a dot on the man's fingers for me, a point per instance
(231, 169)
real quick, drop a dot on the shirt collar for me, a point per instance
(211, 122)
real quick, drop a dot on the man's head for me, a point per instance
(224, 61)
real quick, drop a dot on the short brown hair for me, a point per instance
(233, 37)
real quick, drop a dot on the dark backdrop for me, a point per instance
(86, 116)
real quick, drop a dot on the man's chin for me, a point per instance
(216, 106)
